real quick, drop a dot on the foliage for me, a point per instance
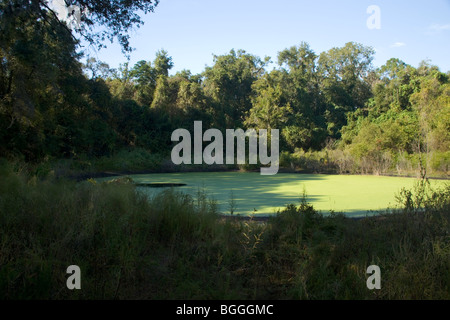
(381, 120)
(100, 19)
(176, 246)
(335, 112)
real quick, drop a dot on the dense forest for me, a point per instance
(334, 109)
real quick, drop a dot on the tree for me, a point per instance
(300, 81)
(229, 85)
(100, 19)
(38, 70)
(47, 105)
(268, 110)
(163, 63)
(432, 103)
(396, 82)
(301, 58)
(121, 86)
(344, 81)
(144, 77)
(98, 69)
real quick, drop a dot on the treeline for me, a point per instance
(334, 109)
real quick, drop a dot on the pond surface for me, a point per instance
(355, 195)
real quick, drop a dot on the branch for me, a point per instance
(44, 16)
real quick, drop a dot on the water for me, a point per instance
(250, 192)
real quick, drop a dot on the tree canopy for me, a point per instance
(52, 105)
(99, 19)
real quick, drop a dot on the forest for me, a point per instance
(335, 111)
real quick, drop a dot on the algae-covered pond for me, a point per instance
(245, 192)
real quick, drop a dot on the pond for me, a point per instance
(250, 192)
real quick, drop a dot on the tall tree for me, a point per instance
(344, 80)
(163, 63)
(229, 84)
(300, 81)
(99, 19)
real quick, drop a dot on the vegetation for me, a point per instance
(176, 246)
(335, 111)
(60, 117)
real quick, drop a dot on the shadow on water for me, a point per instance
(246, 193)
(249, 192)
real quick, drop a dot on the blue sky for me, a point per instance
(193, 30)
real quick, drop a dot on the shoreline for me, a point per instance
(105, 174)
(249, 218)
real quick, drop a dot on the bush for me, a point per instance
(175, 246)
(135, 159)
(440, 161)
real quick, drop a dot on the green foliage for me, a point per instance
(59, 119)
(408, 113)
(175, 246)
(229, 84)
(267, 111)
(138, 159)
(54, 107)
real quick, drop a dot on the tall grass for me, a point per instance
(175, 246)
(342, 161)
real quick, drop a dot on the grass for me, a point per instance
(177, 246)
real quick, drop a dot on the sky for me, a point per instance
(192, 31)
